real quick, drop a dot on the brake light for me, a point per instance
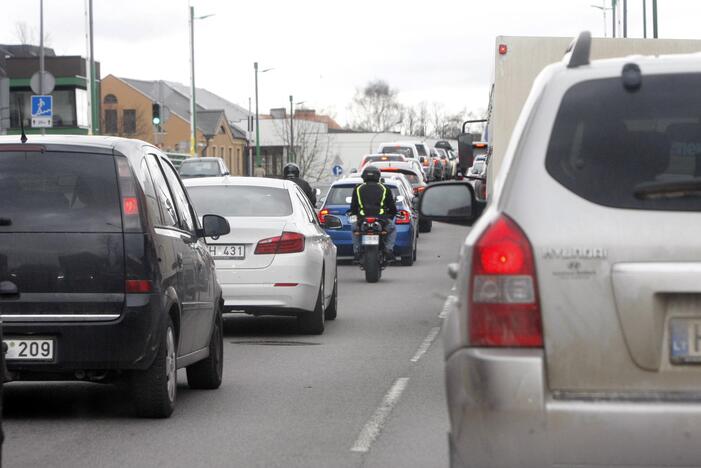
(130, 205)
(403, 217)
(139, 286)
(419, 188)
(322, 215)
(503, 305)
(425, 162)
(370, 220)
(288, 242)
(503, 49)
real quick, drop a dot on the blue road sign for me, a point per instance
(42, 106)
(337, 170)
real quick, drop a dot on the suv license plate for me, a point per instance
(29, 349)
(685, 340)
(371, 240)
(235, 252)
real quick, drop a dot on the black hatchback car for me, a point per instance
(104, 274)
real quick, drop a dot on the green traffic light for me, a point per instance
(156, 120)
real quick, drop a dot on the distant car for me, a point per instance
(203, 167)
(380, 157)
(277, 259)
(450, 163)
(441, 162)
(412, 150)
(415, 178)
(479, 166)
(105, 275)
(338, 202)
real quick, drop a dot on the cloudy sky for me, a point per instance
(322, 51)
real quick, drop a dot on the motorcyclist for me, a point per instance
(291, 172)
(374, 199)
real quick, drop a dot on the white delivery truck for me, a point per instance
(519, 59)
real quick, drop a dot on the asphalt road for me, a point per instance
(368, 392)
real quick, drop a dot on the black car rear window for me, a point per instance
(58, 192)
(199, 169)
(241, 200)
(631, 148)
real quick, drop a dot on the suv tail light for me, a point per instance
(139, 286)
(131, 214)
(504, 308)
(403, 217)
(322, 216)
(288, 242)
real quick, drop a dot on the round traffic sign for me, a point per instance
(337, 170)
(48, 84)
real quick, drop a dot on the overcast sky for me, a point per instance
(321, 51)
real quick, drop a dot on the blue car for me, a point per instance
(337, 203)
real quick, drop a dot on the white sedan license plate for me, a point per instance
(236, 251)
(685, 339)
(371, 240)
(29, 349)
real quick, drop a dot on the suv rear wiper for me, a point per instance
(668, 189)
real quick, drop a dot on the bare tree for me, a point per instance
(28, 36)
(375, 107)
(313, 147)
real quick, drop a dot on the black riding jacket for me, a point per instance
(373, 199)
(306, 188)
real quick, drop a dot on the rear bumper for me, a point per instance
(502, 415)
(255, 291)
(130, 342)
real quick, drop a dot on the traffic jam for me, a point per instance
(187, 282)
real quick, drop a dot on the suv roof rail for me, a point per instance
(577, 53)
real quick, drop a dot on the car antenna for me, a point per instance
(22, 138)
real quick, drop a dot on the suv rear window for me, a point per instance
(58, 192)
(241, 200)
(199, 169)
(405, 150)
(627, 149)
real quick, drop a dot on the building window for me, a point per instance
(129, 121)
(221, 152)
(239, 161)
(111, 121)
(110, 99)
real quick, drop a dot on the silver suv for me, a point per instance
(574, 335)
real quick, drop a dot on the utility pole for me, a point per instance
(193, 109)
(249, 156)
(613, 14)
(41, 52)
(258, 161)
(654, 19)
(645, 18)
(94, 108)
(625, 18)
(290, 157)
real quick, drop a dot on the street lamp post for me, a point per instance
(290, 157)
(193, 100)
(654, 19)
(259, 163)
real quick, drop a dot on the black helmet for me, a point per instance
(371, 174)
(291, 171)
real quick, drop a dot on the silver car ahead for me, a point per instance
(574, 336)
(277, 260)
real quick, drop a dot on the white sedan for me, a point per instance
(277, 259)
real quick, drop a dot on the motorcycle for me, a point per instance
(372, 234)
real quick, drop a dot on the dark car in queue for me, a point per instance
(104, 275)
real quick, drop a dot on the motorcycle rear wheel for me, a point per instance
(372, 264)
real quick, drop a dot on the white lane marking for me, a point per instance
(444, 310)
(426, 343)
(373, 427)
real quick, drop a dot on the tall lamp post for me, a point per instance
(292, 157)
(255, 69)
(193, 102)
(603, 10)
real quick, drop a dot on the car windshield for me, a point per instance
(199, 169)
(241, 200)
(404, 150)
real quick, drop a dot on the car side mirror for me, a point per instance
(466, 154)
(214, 226)
(332, 222)
(451, 202)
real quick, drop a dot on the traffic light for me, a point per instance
(156, 113)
